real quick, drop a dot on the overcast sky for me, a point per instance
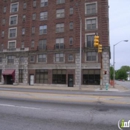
(119, 20)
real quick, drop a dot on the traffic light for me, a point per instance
(99, 48)
(96, 41)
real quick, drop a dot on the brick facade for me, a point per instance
(71, 67)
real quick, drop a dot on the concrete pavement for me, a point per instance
(76, 98)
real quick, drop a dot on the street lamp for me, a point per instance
(114, 59)
(80, 64)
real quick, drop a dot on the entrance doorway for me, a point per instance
(70, 80)
(31, 79)
(9, 79)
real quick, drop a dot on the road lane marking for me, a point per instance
(24, 107)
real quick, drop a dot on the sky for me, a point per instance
(119, 25)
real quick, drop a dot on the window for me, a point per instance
(21, 59)
(24, 17)
(42, 44)
(23, 31)
(91, 24)
(43, 29)
(91, 56)
(4, 9)
(41, 76)
(59, 57)
(1, 47)
(71, 40)
(59, 76)
(22, 45)
(0, 75)
(24, 5)
(59, 43)
(12, 45)
(60, 13)
(12, 32)
(71, 11)
(44, 3)
(71, 25)
(34, 3)
(33, 30)
(43, 16)
(60, 1)
(14, 7)
(3, 21)
(91, 8)
(34, 16)
(70, 57)
(10, 59)
(2, 34)
(32, 44)
(91, 77)
(42, 58)
(21, 76)
(32, 58)
(0, 59)
(89, 40)
(13, 20)
(60, 27)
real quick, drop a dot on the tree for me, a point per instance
(111, 72)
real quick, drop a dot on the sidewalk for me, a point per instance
(60, 87)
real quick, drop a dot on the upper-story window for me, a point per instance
(91, 8)
(12, 45)
(34, 3)
(4, 9)
(59, 43)
(60, 1)
(91, 56)
(12, 32)
(3, 21)
(42, 58)
(89, 40)
(23, 31)
(43, 16)
(59, 57)
(24, 18)
(14, 7)
(71, 11)
(24, 5)
(33, 30)
(71, 26)
(71, 40)
(2, 34)
(60, 13)
(34, 16)
(44, 3)
(10, 59)
(13, 20)
(91, 23)
(42, 44)
(43, 29)
(60, 27)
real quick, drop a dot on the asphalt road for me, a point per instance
(26, 115)
(124, 83)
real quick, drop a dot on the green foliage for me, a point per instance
(122, 72)
(111, 72)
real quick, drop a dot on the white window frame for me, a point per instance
(42, 4)
(60, 1)
(17, 7)
(12, 41)
(9, 32)
(42, 57)
(90, 19)
(88, 3)
(41, 31)
(3, 21)
(60, 27)
(59, 58)
(60, 13)
(72, 57)
(43, 15)
(16, 20)
(86, 38)
(91, 61)
(34, 16)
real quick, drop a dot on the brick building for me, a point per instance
(40, 41)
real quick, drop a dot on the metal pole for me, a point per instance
(114, 66)
(101, 74)
(80, 66)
